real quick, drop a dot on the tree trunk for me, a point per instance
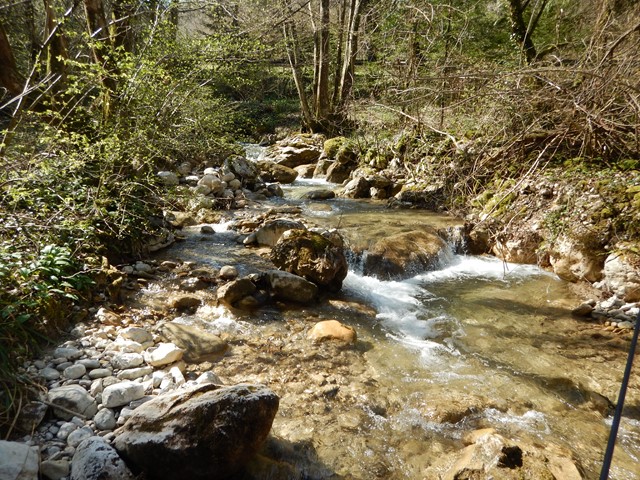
(322, 92)
(121, 27)
(351, 50)
(10, 78)
(56, 48)
(291, 45)
(341, 33)
(101, 46)
(523, 29)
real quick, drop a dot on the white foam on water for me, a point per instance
(530, 421)
(486, 267)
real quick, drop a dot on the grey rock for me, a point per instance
(121, 394)
(105, 419)
(123, 361)
(72, 399)
(202, 433)
(199, 346)
(89, 363)
(95, 459)
(68, 353)
(55, 469)
(133, 373)
(50, 374)
(136, 334)
(77, 436)
(65, 430)
(100, 373)
(75, 371)
(163, 354)
(235, 291)
(18, 461)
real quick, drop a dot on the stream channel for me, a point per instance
(477, 343)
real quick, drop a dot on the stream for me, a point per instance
(477, 343)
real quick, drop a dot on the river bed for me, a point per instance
(476, 343)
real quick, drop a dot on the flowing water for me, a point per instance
(477, 343)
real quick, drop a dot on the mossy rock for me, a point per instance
(332, 146)
(347, 153)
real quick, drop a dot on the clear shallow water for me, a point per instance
(477, 343)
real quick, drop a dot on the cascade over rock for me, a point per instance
(403, 255)
(312, 256)
(204, 433)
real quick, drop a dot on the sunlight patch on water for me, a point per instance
(530, 421)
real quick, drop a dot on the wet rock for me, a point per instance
(622, 275)
(234, 291)
(270, 232)
(305, 171)
(312, 256)
(430, 197)
(289, 287)
(163, 354)
(332, 330)
(404, 255)
(18, 461)
(229, 272)
(180, 219)
(73, 399)
(274, 172)
(321, 194)
(207, 230)
(583, 310)
(95, 459)
(186, 303)
(206, 432)
(199, 346)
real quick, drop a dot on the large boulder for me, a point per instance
(404, 255)
(296, 150)
(270, 232)
(274, 172)
(231, 293)
(522, 247)
(572, 260)
(70, 400)
(95, 459)
(359, 187)
(18, 461)
(622, 275)
(339, 172)
(311, 255)
(289, 287)
(204, 433)
(199, 346)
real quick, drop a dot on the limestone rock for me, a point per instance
(339, 172)
(95, 459)
(332, 330)
(306, 171)
(163, 354)
(199, 346)
(204, 433)
(186, 302)
(242, 168)
(121, 394)
(404, 255)
(74, 399)
(136, 334)
(359, 187)
(229, 272)
(123, 361)
(573, 261)
(55, 469)
(312, 256)
(622, 275)
(270, 232)
(18, 461)
(234, 291)
(320, 194)
(289, 287)
(274, 172)
(105, 419)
